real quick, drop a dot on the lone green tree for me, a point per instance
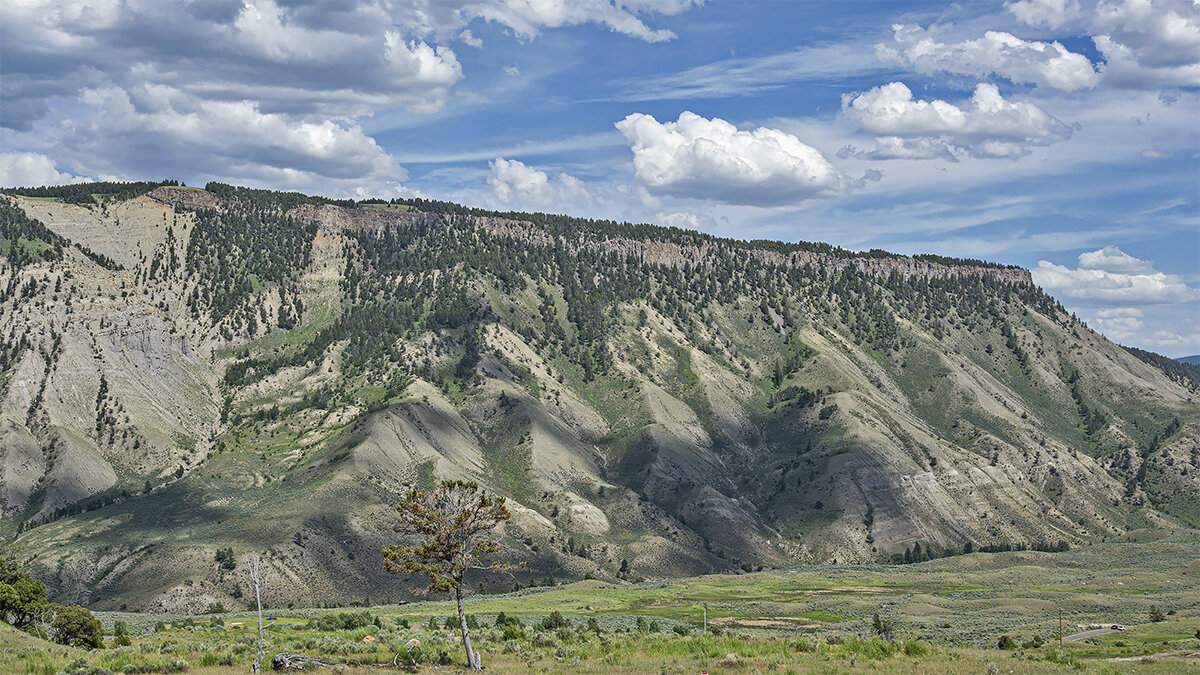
(450, 522)
(21, 596)
(74, 626)
(882, 627)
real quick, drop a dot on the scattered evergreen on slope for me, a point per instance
(233, 254)
(24, 240)
(434, 275)
(1183, 372)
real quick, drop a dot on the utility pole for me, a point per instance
(1060, 629)
(705, 618)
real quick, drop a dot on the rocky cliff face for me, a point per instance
(267, 372)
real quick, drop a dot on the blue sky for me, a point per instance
(1059, 135)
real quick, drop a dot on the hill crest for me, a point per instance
(269, 370)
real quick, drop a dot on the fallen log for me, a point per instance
(287, 661)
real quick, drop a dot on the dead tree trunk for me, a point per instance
(262, 652)
(472, 657)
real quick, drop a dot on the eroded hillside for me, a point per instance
(187, 370)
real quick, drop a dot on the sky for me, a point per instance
(1059, 135)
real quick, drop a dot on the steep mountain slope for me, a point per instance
(186, 370)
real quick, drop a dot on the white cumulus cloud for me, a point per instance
(1166, 339)
(712, 159)
(269, 92)
(156, 126)
(1146, 44)
(1123, 324)
(1045, 13)
(1149, 43)
(987, 125)
(32, 169)
(469, 38)
(1162, 328)
(1113, 259)
(527, 18)
(519, 186)
(1045, 64)
(1110, 277)
(514, 185)
(340, 62)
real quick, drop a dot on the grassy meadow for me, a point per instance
(946, 616)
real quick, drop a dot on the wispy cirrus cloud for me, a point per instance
(744, 76)
(526, 149)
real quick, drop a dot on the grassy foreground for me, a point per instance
(947, 617)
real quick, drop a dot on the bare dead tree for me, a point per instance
(262, 651)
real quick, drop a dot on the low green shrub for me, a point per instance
(156, 667)
(1053, 656)
(555, 621)
(344, 621)
(874, 648)
(82, 667)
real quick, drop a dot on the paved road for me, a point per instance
(1091, 633)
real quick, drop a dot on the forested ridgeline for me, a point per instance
(408, 272)
(90, 194)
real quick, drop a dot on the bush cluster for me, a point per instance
(344, 621)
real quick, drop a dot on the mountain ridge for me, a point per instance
(675, 400)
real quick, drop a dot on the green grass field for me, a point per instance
(572, 649)
(947, 614)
